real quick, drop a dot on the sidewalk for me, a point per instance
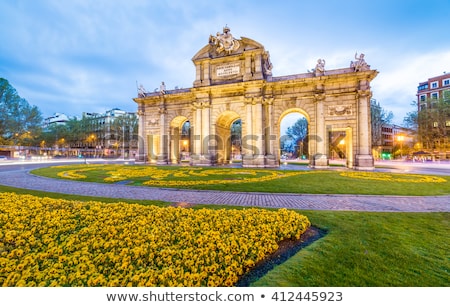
(22, 179)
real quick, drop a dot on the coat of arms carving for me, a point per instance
(224, 42)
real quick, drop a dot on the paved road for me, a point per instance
(18, 176)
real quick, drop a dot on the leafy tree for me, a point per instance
(124, 129)
(433, 124)
(379, 117)
(386, 116)
(411, 118)
(296, 137)
(20, 122)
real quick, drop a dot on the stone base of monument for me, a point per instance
(271, 161)
(203, 160)
(364, 163)
(162, 160)
(320, 161)
(253, 161)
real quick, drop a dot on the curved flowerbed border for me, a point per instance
(410, 178)
(180, 177)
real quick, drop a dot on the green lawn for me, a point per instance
(370, 249)
(231, 179)
(359, 249)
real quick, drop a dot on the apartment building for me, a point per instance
(433, 100)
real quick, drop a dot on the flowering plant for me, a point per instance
(184, 176)
(411, 178)
(54, 242)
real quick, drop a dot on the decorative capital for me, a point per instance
(363, 93)
(162, 110)
(319, 97)
(268, 100)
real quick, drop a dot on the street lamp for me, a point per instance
(400, 139)
(123, 141)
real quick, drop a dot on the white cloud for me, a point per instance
(396, 85)
(84, 55)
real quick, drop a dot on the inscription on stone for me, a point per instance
(228, 70)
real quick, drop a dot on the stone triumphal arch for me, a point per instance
(234, 87)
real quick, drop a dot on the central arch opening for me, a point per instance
(229, 131)
(185, 141)
(180, 140)
(294, 137)
(236, 141)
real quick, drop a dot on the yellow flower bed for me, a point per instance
(410, 178)
(54, 242)
(188, 176)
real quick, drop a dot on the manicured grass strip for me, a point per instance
(257, 180)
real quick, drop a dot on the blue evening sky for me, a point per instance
(87, 55)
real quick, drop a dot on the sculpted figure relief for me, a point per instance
(141, 91)
(162, 88)
(267, 64)
(320, 68)
(360, 64)
(224, 42)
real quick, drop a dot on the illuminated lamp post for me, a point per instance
(400, 139)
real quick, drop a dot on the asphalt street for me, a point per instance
(16, 174)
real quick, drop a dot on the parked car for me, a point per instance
(3, 158)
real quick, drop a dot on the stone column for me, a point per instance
(162, 156)
(248, 67)
(247, 139)
(271, 158)
(364, 158)
(258, 155)
(206, 75)
(142, 139)
(320, 159)
(258, 74)
(175, 145)
(206, 134)
(198, 75)
(197, 138)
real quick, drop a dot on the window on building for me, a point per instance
(434, 95)
(422, 87)
(434, 84)
(423, 106)
(423, 97)
(446, 82)
(446, 95)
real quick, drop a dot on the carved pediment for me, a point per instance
(222, 45)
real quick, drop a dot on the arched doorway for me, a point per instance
(180, 142)
(236, 141)
(340, 146)
(294, 131)
(229, 137)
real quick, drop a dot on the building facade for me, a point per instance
(55, 119)
(110, 134)
(433, 100)
(234, 82)
(433, 89)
